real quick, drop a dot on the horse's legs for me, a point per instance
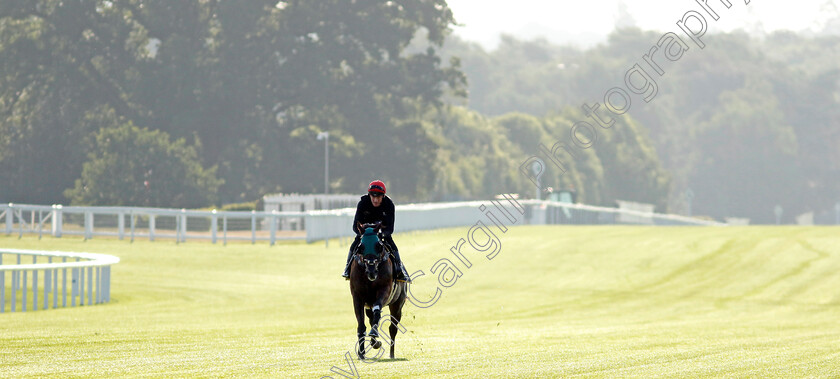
(396, 316)
(374, 329)
(359, 307)
(375, 315)
(369, 314)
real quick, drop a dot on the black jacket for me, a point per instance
(367, 213)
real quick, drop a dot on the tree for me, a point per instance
(245, 79)
(132, 166)
(746, 154)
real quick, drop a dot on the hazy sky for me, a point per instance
(561, 21)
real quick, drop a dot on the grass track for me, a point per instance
(558, 301)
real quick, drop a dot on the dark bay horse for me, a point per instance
(373, 286)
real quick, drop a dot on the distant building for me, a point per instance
(805, 219)
(304, 203)
(639, 213)
(737, 221)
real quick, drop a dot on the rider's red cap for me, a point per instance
(376, 186)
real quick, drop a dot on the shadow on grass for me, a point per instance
(394, 360)
(389, 360)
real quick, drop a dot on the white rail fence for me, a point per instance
(151, 223)
(53, 279)
(505, 210)
(182, 225)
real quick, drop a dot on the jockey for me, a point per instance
(376, 207)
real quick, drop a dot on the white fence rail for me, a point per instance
(182, 225)
(504, 211)
(151, 223)
(338, 223)
(43, 283)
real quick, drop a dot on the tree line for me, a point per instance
(193, 104)
(745, 124)
(185, 104)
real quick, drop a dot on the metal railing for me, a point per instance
(152, 223)
(547, 212)
(65, 279)
(337, 223)
(183, 225)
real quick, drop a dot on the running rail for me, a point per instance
(65, 279)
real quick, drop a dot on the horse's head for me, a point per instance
(371, 251)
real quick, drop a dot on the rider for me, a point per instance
(376, 207)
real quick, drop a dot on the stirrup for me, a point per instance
(405, 279)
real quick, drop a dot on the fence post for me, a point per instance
(98, 285)
(183, 225)
(64, 284)
(214, 225)
(81, 284)
(224, 229)
(34, 286)
(177, 229)
(132, 220)
(55, 288)
(107, 283)
(74, 286)
(15, 275)
(10, 218)
(56, 221)
(88, 225)
(121, 225)
(23, 289)
(151, 227)
(90, 285)
(273, 225)
(20, 223)
(47, 286)
(253, 227)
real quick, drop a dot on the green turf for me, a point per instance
(558, 301)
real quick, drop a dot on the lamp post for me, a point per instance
(537, 169)
(326, 137)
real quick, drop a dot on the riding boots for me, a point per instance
(401, 274)
(346, 273)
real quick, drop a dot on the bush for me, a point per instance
(132, 166)
(250, 206)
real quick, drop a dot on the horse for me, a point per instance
(372, 286)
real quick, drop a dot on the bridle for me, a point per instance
(371, 260)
